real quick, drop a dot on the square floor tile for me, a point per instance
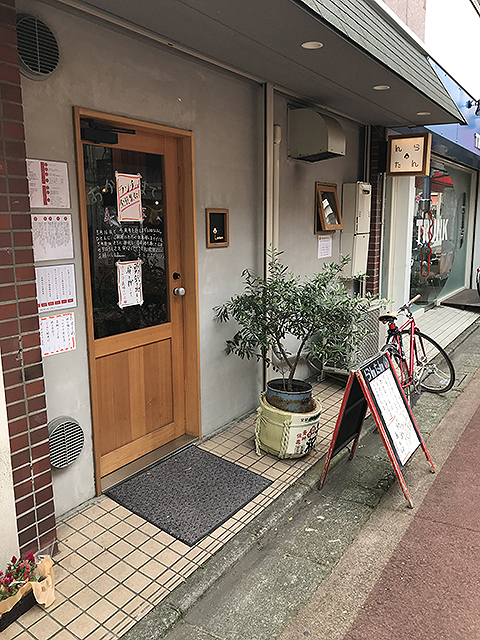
(44, 629)
(65, 613)
(120, 571)
(69, 586)
(102, 610)
(105, 560)
(85, 598)
(120, 595)
(103, 584)
(83, 626)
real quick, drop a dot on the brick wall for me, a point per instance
(19, 336)
(377, 149)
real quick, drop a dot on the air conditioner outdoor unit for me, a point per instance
(313, 137)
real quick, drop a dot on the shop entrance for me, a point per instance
(140, 283)
(440, 240)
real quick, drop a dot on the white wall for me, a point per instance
(9, 540)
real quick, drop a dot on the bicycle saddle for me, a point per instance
(391, 316)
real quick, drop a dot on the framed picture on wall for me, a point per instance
(217, 228)
(327, 210)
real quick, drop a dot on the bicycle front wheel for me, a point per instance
(433, 369)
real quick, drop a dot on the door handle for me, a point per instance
(179, 291)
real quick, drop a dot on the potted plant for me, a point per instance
(24, 583)
(318, 314)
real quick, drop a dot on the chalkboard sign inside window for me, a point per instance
(112, 242)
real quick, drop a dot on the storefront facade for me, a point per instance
(204, 133)
(438, 243)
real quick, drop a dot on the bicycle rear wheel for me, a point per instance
(433, 369)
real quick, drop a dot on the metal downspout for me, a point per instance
(273, 136)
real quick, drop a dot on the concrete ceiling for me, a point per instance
(263, 38)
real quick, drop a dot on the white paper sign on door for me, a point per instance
(129, 201)
(57, 334)
(52, 236)
(48, 184)
(129, 281)
(56, 287)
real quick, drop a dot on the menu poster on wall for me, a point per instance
(324, 247)
(56, 287)
(57, 334)
(129, 201)
(48, 184)
(129, 281)
(52, 236)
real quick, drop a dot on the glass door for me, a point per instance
(440, 247)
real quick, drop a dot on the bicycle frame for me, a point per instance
(394, 337)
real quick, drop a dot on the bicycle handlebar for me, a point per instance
(406, 306)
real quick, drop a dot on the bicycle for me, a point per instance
(420, 363)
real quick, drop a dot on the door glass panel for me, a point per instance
(111, 242)
(444, 272)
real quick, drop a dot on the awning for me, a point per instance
(361, 49)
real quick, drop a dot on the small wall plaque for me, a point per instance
(217, 227)
(409, 155)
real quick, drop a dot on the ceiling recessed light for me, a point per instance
(423, 113)
(312, 44)
(381, 87)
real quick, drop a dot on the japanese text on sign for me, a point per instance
(55, 287)
(57, 334)
(129, 281)
(52, 236)
(129, 202)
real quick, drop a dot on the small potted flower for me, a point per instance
(23, 584)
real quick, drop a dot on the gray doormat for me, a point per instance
(189, 494)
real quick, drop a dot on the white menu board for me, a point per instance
(52, 236)
(394, 412)
(129, 282)
(48, 184)
(129, 201)
(57, 334)
(56, 287)
(324, 247)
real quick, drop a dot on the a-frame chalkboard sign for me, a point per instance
(374, 385)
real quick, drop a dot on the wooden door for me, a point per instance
(134, 272)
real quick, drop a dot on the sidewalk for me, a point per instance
(296, 561)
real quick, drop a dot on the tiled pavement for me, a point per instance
(113, 566)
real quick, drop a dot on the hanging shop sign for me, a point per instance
(409, 155)
(374, 385)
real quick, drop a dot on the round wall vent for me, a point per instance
(66, 441)
(37, 47)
